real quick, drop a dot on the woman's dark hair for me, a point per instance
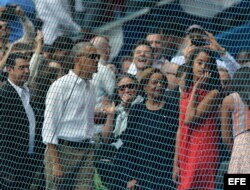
(241, 84)
(214, 80)
(146, 75)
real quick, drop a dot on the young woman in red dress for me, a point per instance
(197, 150)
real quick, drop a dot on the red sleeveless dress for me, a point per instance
(199, 149)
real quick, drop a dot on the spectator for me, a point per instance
(57, 19)
(235, 135)
(243, 57)
(197, 152)
(170, 70)
(125, 64)
(142, 58)
(156, 41)
(69, 125)
(197, 37)
(104, 79)
(116, 124)
(15, 24)
(18, 137)
(147, 154)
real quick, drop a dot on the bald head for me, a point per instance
(170, 70)
(102, 45)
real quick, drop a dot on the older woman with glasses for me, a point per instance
(145, 160)
(116, 123)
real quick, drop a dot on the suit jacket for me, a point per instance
(14, 133)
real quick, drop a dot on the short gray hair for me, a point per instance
(80, 48)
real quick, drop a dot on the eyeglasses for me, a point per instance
(128, 86)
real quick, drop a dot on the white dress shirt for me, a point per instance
(226, 61)
(57, 19)
(132, 69)
(104, 80)
(24, 94)
(69, 112)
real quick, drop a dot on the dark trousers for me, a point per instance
(22, 178)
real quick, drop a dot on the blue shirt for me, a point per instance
(15, 26)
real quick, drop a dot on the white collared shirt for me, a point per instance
(69, 112)
(24, 94)
(227, 61)
(159, 63)
(132, 69)
(104, 81)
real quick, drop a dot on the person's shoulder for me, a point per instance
(64, 81)
(6, 90)
(6, 87)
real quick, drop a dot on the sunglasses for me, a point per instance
(128, 86)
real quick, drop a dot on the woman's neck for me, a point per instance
(154, 104)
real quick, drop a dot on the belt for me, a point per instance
(82, 144)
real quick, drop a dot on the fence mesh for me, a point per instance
(123, 94)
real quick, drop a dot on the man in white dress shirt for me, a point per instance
(69, 124)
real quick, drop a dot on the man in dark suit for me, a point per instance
(17, 126)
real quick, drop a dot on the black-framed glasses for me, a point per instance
(128, 86)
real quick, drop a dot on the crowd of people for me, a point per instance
(154, 121)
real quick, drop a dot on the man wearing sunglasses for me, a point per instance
(69, 124)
